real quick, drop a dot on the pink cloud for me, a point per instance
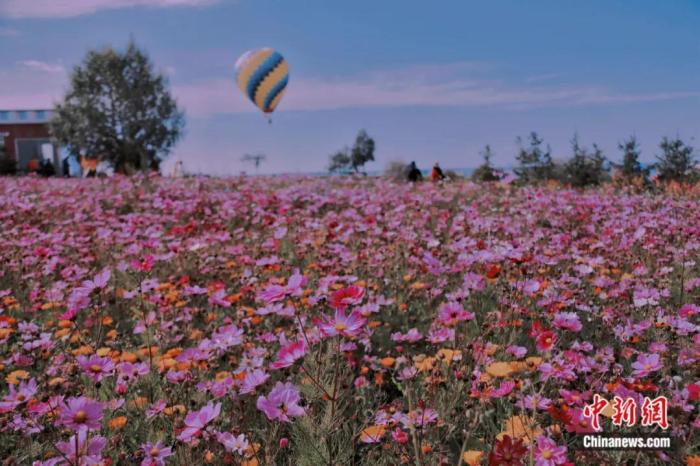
(69, 8)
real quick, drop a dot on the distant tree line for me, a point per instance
(590, 167)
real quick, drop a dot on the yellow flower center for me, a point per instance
(340, 326)
(647, 366)
(80, 416)
(546, 454)
(96, 368)
(154, 451)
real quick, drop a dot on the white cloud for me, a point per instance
(438, 86)
(25, 87)
(69, 8)
(39, 84)
(43, 66)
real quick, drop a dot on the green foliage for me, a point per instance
(630, 166)
(118, 109)
(535, 163)
(340, 161)
(352, 159)
(396, 170)
(677, 162)
(326, 435)
(486, 171)
(585, 168)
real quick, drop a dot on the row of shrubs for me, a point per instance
(590, 167)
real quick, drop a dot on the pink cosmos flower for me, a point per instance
(219, 298)
(517, 351)
(451, 313)
(96, 367)
(99, 282)
(89, 451)
(548, 453)
(419, 417)
(196, 421)
(646, 364)
(155, 454)
(252, 380)
(688, 310)
(534, 402)
(155, 409)
(347, 326)
(568, 321)
(289, 354)
(232, 443)
(504, 389)
(273, 293)
(578, 423)
(399, 436)
(80, 413)
(545, 341)
(19, 395)
(281, 402)
(348, 296)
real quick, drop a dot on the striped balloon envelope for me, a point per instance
(262, 75)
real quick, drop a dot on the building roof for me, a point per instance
(18, 117)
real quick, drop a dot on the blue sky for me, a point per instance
(431, 81)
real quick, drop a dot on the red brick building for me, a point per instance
(25, 136)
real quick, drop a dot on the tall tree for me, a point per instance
(118, 109)
(677, 162)
(585, 168)
(535, 162)
(486, 171)
(630, 166)
(353, 159)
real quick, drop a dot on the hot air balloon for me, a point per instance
(262, 75)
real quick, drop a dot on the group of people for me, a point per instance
(414, 174)
(71, 166)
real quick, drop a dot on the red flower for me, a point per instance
(347, 296)
(493, 271)
(545, 341)
(507, 452)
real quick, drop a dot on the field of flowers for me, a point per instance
(311, 321)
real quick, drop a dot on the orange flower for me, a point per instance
(129, 357)
(500, 369)
(117, 422)
(521, 426)
(387, 362)
(472, 457)
(423, 363)
(14, 377)
(372, 434)
(378, 378)
(84, 350)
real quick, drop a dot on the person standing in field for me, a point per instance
(413, 173)
(89, 167)
(436, 174)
